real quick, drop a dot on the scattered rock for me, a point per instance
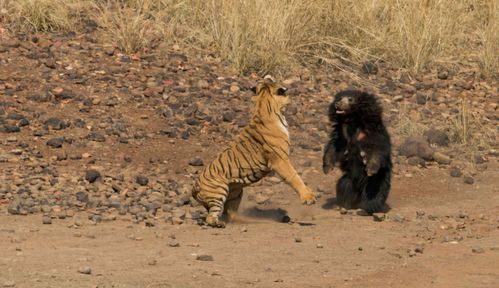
(437, 137)
(175, 243)
(468, 180)
(397, 218)
(204, 257)
(416, 161)
(46, 219)
(421, 98)
(441, 158)
(443, 74)
(477, 250)
(92, 175)
(455, 172)
(85, 270)
(416, 146)
(9, 284)
(370, 68)
(379, 217)
(97, 137)
(55, 142)
(419, 249)
(196, 162)
(142, 180)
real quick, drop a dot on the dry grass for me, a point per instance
(468, 130)
(129, 25)
(275, 36)
(405, 124)
(44, 15)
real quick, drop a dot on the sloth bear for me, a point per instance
(361, 145)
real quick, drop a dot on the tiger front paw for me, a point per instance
(308, 197)
(213, 221)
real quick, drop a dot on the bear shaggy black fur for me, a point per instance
(360, 144)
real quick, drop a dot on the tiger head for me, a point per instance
(268, 93)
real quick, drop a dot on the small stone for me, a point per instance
(55, 142)
(9, 284)
(177, 221)
(204, 257)
(109, 51)
(421, 98)
(416, 161)
(46, 219)
(192, 121)
(142, 180)
(298, 240)
(455, 172)
(152, 262)
(244, 229)
(398, 98)
(478, 159)
(203, 84)
(411, 252)
(261, 198)
(196, 162)
(55, 123)
(477, 249)
(97, 137)
(419, 249)
(438, 137)
(319, 245)
(173, 243)
(416, 146)
(420, 213)
(85, 270)
(468, 180)
(379, 217)
(228, 117)
(343, 211)
(234, 88)
(441, 158)
(92, 175)
(370, 68)
(443, 74)
(397, 218)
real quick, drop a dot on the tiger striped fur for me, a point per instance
(261, 147)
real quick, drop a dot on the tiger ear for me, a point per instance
(281, 91)
(253, 88)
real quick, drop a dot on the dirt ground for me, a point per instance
(104, 147)
(455, 244)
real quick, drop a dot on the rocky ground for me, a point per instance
(98, 152)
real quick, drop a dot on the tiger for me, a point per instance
(260, 148)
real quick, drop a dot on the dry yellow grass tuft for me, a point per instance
(44, 15)
(129, 25)
(468, 130)
(275, 36)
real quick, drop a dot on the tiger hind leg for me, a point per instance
(233, 201)
(214, 200)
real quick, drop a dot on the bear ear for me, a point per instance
(281, 91)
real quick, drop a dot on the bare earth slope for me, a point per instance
(104, 147)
